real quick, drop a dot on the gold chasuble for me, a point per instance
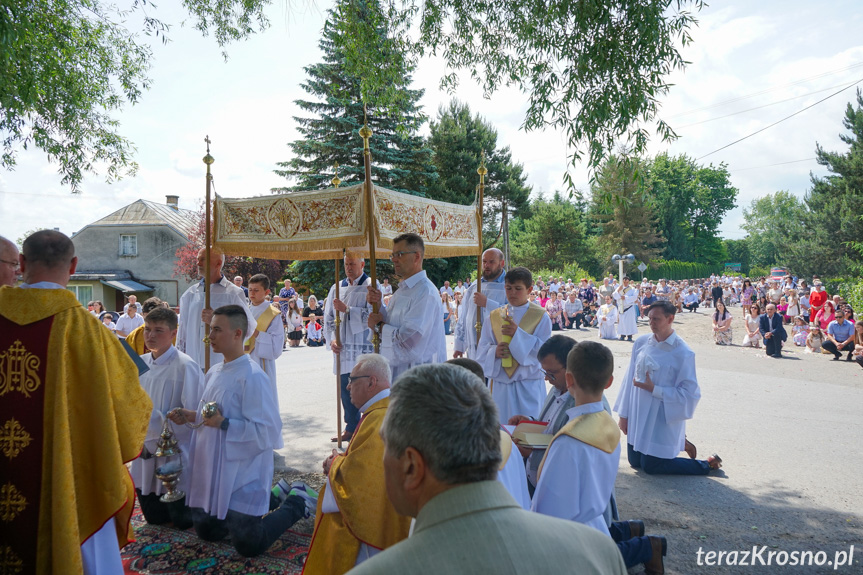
(264, 320)
(72, 413)
(366, 515)
(598, 430)
(528, 323)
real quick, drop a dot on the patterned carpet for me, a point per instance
(165, 550)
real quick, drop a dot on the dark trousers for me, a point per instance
(656, 466)
(691, 306)
(773, 345)
(831, 347)
(634, 550)
(251, 535)
(575, 320)
(352, 414)
(159, 513)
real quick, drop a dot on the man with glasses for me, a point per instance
(8, 263)
(356, 520)
(410, 328)
(840, 336)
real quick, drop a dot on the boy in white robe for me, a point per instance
(232, 451)
(516, 378)
(606, 318)
(659, 393)
(577, 474)
(174, 380)
(267, 341)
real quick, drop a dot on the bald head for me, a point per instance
(48, 255)
(8, 262)
(492, 264)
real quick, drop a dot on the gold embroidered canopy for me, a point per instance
(319, 224)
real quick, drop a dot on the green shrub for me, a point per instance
(572, 271)
(851, 290)
(759, 271)
(677, 270)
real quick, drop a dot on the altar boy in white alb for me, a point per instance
(626, 297)
(174, 380)
(232, 452)
(508, 349)
(267, 341)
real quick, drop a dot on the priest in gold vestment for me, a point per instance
(71, 414)
(354, 519)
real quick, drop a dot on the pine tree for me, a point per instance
(400, 159)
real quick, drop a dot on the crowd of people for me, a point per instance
(433, 479)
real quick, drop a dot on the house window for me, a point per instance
(128, 245)
(84, 294)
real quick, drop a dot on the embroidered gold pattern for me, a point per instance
(9, 562)
(18, 370)
(11, 502)
(13, 438)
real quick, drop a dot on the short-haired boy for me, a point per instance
(174, 380)
(266, 343)
(232, 451)
(577, 474)
(508, 348)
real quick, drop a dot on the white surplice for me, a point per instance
(577, 479)
(233, 468)
(174, 380)
(607, 328)
(268, 346)
(514, 479)
(627, 319)
(524, 392)
(657, 421)
(190, 335)
(354, 329)
(413, 332)
(465, 329)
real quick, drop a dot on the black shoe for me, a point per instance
(777, 355)
(622, 337)
(629, 338)
(837, 357)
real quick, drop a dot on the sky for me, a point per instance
(751, 64)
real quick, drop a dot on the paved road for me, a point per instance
(790, 432)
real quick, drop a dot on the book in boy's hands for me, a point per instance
(530, 434)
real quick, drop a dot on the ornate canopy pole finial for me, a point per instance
(336, 180)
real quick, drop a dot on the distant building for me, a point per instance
(132, 251)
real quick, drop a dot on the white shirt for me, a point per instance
(174, 380)
(126, 324)
(577, 479)
(513, 478)
(413, 333)
(354, 328)
(190, 335)
(268, 346)
(233, 469)
(657, 421)
(386, 289)
(465, 329)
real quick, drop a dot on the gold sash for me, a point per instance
(595, 429)
(528, 323)
(264, 320)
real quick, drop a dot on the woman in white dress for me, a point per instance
(606, 318)
(752, 337)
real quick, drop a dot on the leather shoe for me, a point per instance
(690, 449)
(714, 461)
(346, 436)
(636, 528)
(659, 545)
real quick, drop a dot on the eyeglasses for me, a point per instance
(15, 265)
(551, 377)
(396, 255)
(352, 378)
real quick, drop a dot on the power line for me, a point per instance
(766, 90)
(780, 121)
(771, 165)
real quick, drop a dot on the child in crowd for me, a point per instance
(782, 309)
(108, 322)
(590, 315)
(815, 339)
(577, 474)
(174, 380)
(508, 348)
(800, 331)
(314, 334)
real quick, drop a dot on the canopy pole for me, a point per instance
(336, 181)
(208, 159)
(482, 171)
(366, 133)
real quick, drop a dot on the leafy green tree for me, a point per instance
(623, 210)
(552, 237)
(738, 252)
(835, 202)
(690, 202)
(774, 224)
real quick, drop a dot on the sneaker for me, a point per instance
(281, 490)
(307, 494)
